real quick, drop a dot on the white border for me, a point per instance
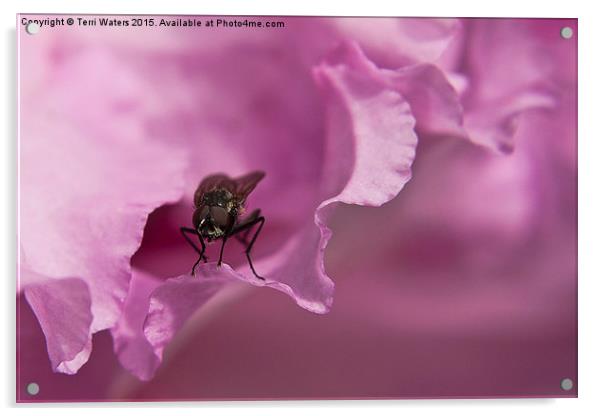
(590, 201)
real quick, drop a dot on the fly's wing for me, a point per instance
(211, 182)
(245, 184)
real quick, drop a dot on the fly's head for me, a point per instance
(216, 215)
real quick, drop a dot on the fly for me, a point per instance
(218, 204)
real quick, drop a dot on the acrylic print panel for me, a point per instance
(393, 201)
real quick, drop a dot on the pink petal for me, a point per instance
(394, 42)
(370, 132)
(95, 203)
(299, 270)
(426, 290)
(370, 147)
(93, 381)
(433, 99)
(87, 186)
(140, 343)
(62, 307)
(133, 350)
(369, 151)
(494, 124)
(510, 72)
(173, 302)
(177, 299)
(262, 113)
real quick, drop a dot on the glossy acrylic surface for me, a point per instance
(420, 201)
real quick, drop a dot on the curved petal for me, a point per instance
(433, 98)
(515, 76)
(494, 125)
(370, 147)
(62, 307)
(155, 310)
(264, 113)
(173, 302)
(431, 94)
(84, 204)
(86, 185)
(394, 42)
(370, 143)
(177, 299)
(131, 347)
(369, 150)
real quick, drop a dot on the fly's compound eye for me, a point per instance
(204, 212)
(219, 216)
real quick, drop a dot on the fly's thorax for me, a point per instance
(218, 197)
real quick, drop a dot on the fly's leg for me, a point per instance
(243, 238)
(201, 252)
(246, 226)
(221, 251)
(243, 226)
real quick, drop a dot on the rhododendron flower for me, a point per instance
(335, 112)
